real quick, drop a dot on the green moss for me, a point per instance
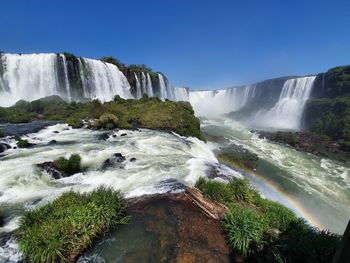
(60, 231)
(2, 134)
(69, 166)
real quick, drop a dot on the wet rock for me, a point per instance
(115, 161)
(104, 136)
(56, 132)
(4, 147)
(171, 185)
(123, 134)
(4, 237)
(132, 159)
(50, 168)
(52, 142)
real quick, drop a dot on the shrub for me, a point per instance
(60, 231)
(244, 229)
(75, 122)
(108, 121)
(69, 166)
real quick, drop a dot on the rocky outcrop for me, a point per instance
(51, 169)
(195, 236)
(309, 142)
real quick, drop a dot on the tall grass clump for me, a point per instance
(60, 231)
(244, 229)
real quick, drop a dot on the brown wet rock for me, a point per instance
(196, 235)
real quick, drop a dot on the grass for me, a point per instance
(60, 231)
(69, 166)
(262, 229)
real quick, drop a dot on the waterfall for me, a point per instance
(33, 76)
(138, 87)
(218, 102)
(29, 77)
(149, 86)
(287, 112)
(66, 80)
(163, 94)
(180, 94)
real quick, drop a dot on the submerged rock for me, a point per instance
(132, 159)
(115, 161)
(104, 136)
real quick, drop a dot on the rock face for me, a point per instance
(175, 228)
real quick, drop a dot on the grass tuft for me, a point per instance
(60, 231)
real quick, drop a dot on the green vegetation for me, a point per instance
(2, 134)
(243, 159)
(244, 229)
(22, 143)
(69, 166)
(60, 231)
(264, 230)
(151, 113)
(334, 120)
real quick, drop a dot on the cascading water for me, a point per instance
(149, 86)
(215, 103)
(28, 77)
(138, 87)
(287, 112)
(162, 87)
(66, 80)
(33, 76)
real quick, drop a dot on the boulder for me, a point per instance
(104, 136)
(115, 161)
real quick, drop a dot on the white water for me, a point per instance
(105, 81)
(149, 86)
(138, 87)
(28, 77)
(160, 156)
(218, 102)
(34, 76)
(162, 87)
(287, 112)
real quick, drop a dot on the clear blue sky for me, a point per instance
(196, 43)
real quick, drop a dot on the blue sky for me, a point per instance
(196, 43)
